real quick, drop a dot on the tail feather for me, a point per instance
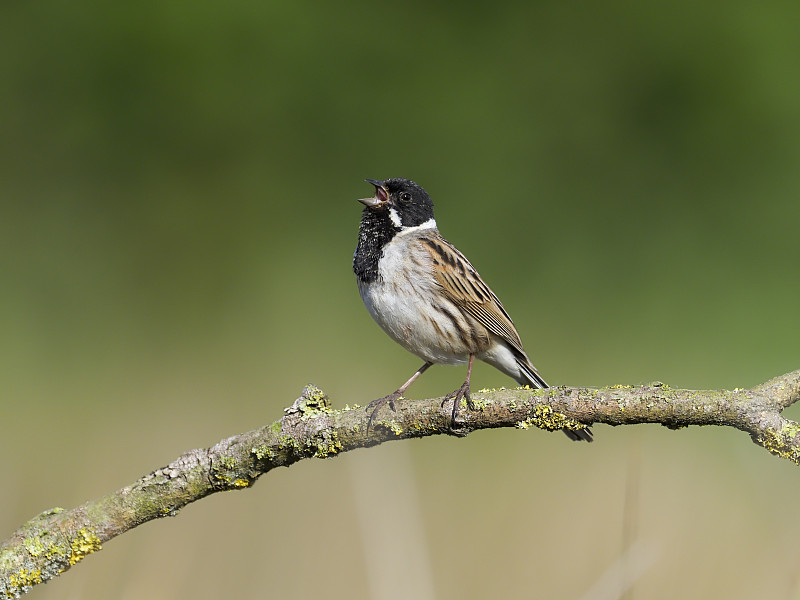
(530, 376)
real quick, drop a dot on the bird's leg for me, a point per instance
(376, 405)
(462, 392)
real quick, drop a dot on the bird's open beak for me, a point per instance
(380, 198)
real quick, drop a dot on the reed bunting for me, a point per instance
(428, 297)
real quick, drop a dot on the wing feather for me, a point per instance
(464, 287)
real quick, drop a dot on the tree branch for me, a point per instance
(57, 539)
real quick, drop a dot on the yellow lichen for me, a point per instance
(241, 483)
(312, 403)
(776, 443)
(22, 579)
(84, 544)
(544, 417)
(262, 452)
(328, 445)
(480, 403)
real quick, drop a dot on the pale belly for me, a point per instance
(417, 326)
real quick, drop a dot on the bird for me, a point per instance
(426, 295)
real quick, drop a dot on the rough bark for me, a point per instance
(57, 539)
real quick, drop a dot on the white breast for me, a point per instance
(402, 301)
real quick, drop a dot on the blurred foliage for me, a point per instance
(177, 217)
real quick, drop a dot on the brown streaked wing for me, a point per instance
(464, 287)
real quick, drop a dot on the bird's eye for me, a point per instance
(405, 196)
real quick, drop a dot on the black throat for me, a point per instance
(375, 232)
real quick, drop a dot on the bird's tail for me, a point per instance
(530, 376)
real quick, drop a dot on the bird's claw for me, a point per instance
(376, 405)
(456, 396)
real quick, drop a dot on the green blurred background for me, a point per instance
(177, 221)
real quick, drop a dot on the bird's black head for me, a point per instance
(397, 205)
(403, 202)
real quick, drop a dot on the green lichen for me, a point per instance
(544, 417)
(267, 450)
(778, 442)
(278, 452)
(226, 470)
(227, 462)
(263, 451)
(288, 442)
(34, 546)
(791, 429)
(479, 403)
(312, 403)
(44, 545)
(512, 403)
(325, 444)
(84, 544)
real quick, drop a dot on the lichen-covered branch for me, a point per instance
(57, 539)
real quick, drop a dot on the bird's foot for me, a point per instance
(376, 405)
(456, 396)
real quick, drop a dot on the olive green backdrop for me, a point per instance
(178, 186)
